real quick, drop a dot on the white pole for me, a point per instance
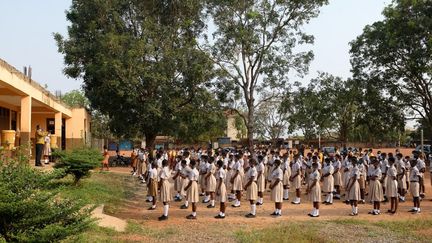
(319, 141)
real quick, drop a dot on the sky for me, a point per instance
(27, 27)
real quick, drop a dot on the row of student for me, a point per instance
(216, 180)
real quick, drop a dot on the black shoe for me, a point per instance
(328, 203)
(295, 203)
(259, 204)
(163, 217)
(191, 217)
(203, 201)
(286, 199)
(184, 207)
(151, 208)
(314, 216)
(412, 210)
(219, 217)
(234, 206)
(273, 214)
(177, 199)
(210, 206)
(249, 215)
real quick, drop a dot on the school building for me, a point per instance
(25, 104)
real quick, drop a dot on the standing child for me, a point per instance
(296, 177)
(328, 181)
(375, 188)
(401, 179)
(185, 181)
(237, 181)
(251, 187)
(221, 192)
(277, 188)
(314, 189)
(211, 181)
(347, 167)
(106, 159)
(178, 180)
(415, 186)
(392, 185)
(260, 180)
(153, 185)
(337, 176)
(165, 188)
(363, 167)
(353, 188)
(192, 188)
(286, 168)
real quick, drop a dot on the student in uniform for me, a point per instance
(230, 173)
(105, 161)
(347, 167)
(165, 188)
(422, 169)
(296, 180)
(192, 188)
(251, 187)
(392, 185)
(153, 185)
(401, 179)
(178, 180)
(353, 188)
(362, 166)
(134, 162)
(375, 188)
(328, 185)
(407, 162)
(203, 171)
(415, 186)
(221, 192)
(184, 174)
(314, 189)
(277, 188)
(337, 176)
(384, 167)
(260, 180)
(286, 168)
(211, 181)
(237, 180)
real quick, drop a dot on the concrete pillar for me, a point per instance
(25, 120)
(58, 128)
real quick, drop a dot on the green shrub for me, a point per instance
(30, 211)
(78, 162)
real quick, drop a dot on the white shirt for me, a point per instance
(165, 173)
(193, 174)
(221, 174)
(415, 174)
(251, 174)
(277, 174)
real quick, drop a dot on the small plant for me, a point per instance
(78, 162)
(30, 210)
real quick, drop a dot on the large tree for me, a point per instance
(254, 48)
(139, 62)
(395, 55)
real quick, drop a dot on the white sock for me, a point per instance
(194, 214)
(261, 200)
(352, 209)
(154, 206)
(253, 209)
(331, 198)
(165, 210)
(206, 198)
(212, 202)
(286, 193)
(177, 195)
(298, 200)
(356, 210)
(316, 212)
(313, 211)
(280, 211)
(186, 203)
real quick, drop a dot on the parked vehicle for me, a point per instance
(427, 149)
(120, 160)
(328, 151)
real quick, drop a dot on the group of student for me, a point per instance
(224, 176)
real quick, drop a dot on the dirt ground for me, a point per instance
(135, 210)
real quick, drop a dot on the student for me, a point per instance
(391, 186)
(375, 188)
(134, 162)
(221, 192)
(362, 166)
(260, 180)
(237, 181)
(286, 168)
(296, 180)
(211, 181)
(192, 188)
(328, 185)
(230, 173)
(314, 189)
(401, 178)
(251, 187)
(203, 171)
(415, 186)
(353, 188)
(347, 167)
(337, 176)
(277, 188)
(421, 166)
(153, 185)
(165, 188)
(184, 172)
(105, 161)
(407, 162)
(384, 167)
(178, 180)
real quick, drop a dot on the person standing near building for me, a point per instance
(40, 141)
(47, 148)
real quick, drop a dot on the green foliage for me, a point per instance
(394, 55)
(75, 99)
(31, 211)
(78, 162)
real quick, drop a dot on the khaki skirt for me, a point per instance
(222, 193)
(391, 188)
(297, 183)
(337, 179)
(261, 183)
(193, 192)
(328, 184)
(315, 193)
(362, 182)
(415, 189)
(178, 184)
(228, 185)
(375, 191)
(211, 184)
(238, 183)
(185, 182)
(286, 177)
(402, 183)
(346, 179)
(354, 193)
(165, 193)
(153, 188)
(277, 193)
(202, 181)
(252, 192)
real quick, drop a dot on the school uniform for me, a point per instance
(400, 168)
(184, 181)
(285, 166)
(362, 180)
(211, 180)
(354, 192)
(165, 191)
(261, 179)
(384, 167)
(252, 189)
(221, 176)
(347, 167)
(337, 176)
(229, 174)
(193, 191)
(391, 186)
(238, 181)
(328, 184)
(153, 182)
(414, 182)
(375, 188)
(202, 171)
(315, 192)
(296, 169)
(277, 191)
(178, 180)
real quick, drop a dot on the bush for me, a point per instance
(78, 162)
(29, 211)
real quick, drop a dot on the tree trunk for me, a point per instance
(150, 140)
(250, 125)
